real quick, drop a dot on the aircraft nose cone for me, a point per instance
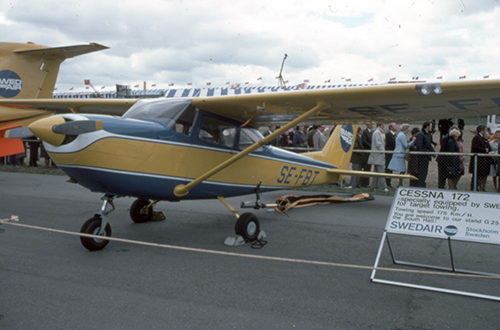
(43, 129)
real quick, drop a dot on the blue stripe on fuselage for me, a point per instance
(122, 183)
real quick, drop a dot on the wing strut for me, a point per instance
(182, 190)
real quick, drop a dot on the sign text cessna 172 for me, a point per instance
(208, 147)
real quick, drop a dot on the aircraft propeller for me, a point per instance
(54, 129)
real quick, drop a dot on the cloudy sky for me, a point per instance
(239, 41)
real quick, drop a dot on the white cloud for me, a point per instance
(220, 41)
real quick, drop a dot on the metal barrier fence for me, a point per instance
(452, 170)
(485, 167)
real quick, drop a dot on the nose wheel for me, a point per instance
(93, 227)
(98, 225)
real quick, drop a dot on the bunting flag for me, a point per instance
(486, 77)
(348, 79)
(301, 85)
(306, 80)
(414, 78)
(154, 85)
(260, 78)
(87, 81)
(461, 77)
(393, 78)
(440, 77)
(136, 86)
(171, 84)
(327, 81)
(208, 83)
(371, 79)
(71, 89)
(189, 84)
(103, 87)
(87, 87)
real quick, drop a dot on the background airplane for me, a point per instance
(208, 147)
(29, 71)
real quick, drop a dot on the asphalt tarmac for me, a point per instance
(49, 281)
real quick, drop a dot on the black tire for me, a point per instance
(247, 226)
(93, 226)
(138, 212)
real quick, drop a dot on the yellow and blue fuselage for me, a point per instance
(146, 158)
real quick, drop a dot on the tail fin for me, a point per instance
(338, 148)
(30, 71)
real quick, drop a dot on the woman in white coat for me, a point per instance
(398, 162)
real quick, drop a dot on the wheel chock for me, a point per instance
(158, 216)
(262, 235)
(234, 240)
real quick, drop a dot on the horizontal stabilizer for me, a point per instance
(18, 133)
(62, 52)
(371, 174)
(9, 146)
(77, 127)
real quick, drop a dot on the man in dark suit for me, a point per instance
(366, 140)
(390, 145)
(479, 167)
(424, 144)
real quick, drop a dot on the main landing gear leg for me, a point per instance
(98, 225)
(247, 228)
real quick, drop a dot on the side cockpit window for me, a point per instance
(184, 123)
(217, 131)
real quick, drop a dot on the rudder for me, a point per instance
(338, 149)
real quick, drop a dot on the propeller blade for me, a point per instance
(18, 133)
(77, 127)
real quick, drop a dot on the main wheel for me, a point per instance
(93, 226)
(247, 226)
(139, 212)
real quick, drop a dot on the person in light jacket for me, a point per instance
(377, 157)
(398, 162)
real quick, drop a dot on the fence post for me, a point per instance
(474, 178)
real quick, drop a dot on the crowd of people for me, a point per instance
(300, 137)
(450, 167)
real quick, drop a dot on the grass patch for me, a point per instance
(32, 170)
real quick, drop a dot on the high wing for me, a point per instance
(116, 107)
(350, 105)
(359, 105)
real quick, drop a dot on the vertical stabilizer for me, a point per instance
(30, 71)
(338, 148)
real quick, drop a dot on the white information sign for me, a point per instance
(458, 215)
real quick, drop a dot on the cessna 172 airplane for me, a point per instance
(29, 71)
(208, 147)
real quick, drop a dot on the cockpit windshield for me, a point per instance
(178, 114)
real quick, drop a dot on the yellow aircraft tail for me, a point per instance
(338, 149)
(30, 71)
